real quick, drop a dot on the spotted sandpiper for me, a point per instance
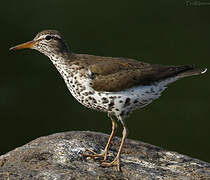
(109, 84)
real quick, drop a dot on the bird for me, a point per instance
(114, 85)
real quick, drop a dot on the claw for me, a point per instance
(115, 162)
(95, 155)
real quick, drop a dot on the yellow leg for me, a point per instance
(104, 154)
(116, 161)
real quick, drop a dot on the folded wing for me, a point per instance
(118, 75)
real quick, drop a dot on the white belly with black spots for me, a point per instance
(118, 103)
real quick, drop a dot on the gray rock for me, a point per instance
(58, 156)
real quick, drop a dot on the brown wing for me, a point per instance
(116, 74)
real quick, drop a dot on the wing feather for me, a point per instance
(117, 74)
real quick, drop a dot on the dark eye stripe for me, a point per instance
(56, 38)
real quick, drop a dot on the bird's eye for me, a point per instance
(48, 37)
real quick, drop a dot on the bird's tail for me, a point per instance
(190, 71)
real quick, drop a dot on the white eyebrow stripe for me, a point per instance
(57, 36)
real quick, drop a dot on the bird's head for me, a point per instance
(48, 42)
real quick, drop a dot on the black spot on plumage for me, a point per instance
(110, 106)
(122, 113)
(112, 97)
(127, 102)
(105, 100)
(135, 101)
(91, 92)
(94, 100)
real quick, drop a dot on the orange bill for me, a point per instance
(28, 44)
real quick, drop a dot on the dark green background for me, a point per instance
(34, 100)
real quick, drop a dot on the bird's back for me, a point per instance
(118, 74)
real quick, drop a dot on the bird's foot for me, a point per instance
(115, 162)
(95, 155)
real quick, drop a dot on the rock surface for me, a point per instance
(58, 157)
